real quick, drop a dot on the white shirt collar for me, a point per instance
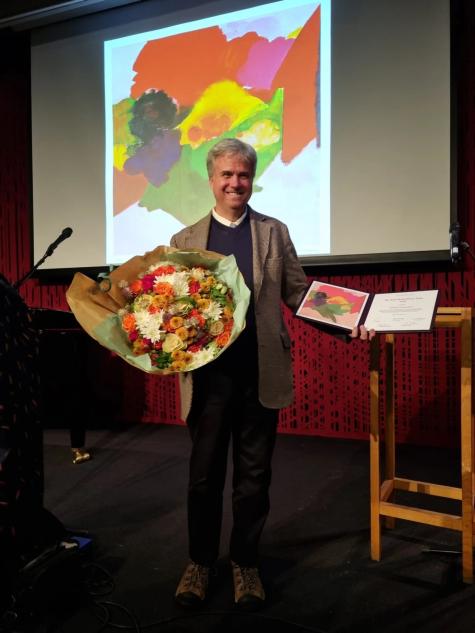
(226, 222)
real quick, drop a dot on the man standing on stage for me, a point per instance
(239, 394)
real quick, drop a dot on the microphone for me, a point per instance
(455, 243)
(65, 233)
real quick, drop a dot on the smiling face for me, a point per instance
(231, 183)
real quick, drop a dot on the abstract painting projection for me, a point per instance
(173, 97)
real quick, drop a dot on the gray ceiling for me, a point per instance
(24, 14)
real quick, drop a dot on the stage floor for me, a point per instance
(315, 549)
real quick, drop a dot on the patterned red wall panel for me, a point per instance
(331, 377)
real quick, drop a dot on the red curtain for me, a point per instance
(331, 377)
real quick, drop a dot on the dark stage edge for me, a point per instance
(315, 549)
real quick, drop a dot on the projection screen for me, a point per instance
(347, 104)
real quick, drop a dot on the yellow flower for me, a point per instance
(216, 328)
(160, 302)
(171, 343)
(178, 365)
(182, 332)
(176, 322)
(203, 303)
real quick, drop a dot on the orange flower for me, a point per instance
(182, 332)
(227, 312)
(136, 286)
(178, 354)
(139, 347)
(178, 365)
(160, 301)
(128, 322)
(223, 339)
(176, 322)
(203, 303)
(207, 283)
(164, 288)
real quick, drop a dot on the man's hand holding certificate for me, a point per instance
(412, 311)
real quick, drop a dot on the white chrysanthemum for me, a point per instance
(179, 281)
(197, 273)
(202, 357)
(213, 311)
(149, 324)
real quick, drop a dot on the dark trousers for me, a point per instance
(226, 405)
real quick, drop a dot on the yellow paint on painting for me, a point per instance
(222, 107)
(121, 118)
(293, 35)
(261, 134)
(120, 156)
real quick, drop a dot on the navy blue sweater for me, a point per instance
(236, 241)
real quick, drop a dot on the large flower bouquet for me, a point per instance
(169, 311)
(181, 316)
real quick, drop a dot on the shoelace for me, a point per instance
(248, 578)
(197, 575)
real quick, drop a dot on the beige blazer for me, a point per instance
(278, 276)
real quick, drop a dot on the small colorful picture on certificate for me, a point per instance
(333, 305)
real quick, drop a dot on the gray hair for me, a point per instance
(232, 146)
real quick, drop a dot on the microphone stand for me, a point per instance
(48, 253)
(465, 246)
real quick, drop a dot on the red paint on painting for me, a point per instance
(298, 76)
(185, 65)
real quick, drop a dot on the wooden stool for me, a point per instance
(381, 493)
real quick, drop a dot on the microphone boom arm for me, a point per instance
(49, 251)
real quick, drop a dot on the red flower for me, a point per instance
(198, 316)
(163, 270)
(194, 286)
(147, 282)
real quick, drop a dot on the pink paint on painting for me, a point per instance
(356, 299)
(263, 62)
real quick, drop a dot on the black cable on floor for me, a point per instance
(104, 585)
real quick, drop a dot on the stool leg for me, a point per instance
(389, 431)
(374, 452)
(466, 424)
(467, 451)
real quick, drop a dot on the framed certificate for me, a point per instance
(412, 311)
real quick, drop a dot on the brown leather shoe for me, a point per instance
(192, 589)
(249, 593)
